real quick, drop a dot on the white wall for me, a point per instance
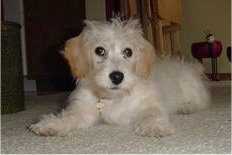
(200, 15)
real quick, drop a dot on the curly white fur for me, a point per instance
(146, 91)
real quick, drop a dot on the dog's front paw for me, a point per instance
(152, 128)
(43, 129)
(48, 126)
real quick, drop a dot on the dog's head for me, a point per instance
(111, 55)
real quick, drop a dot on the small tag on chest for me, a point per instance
(100, 107)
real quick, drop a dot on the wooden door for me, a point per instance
(48, 24)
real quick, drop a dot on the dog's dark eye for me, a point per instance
(127, 52)
(100, 51)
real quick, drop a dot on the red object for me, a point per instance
(206, 49)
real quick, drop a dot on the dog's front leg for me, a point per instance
(152, 121)
(75, 116)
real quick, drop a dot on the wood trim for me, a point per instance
(129, 8)
(221, 76)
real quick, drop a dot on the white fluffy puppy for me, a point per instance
(120, 82)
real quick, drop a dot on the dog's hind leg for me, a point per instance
(196, 97)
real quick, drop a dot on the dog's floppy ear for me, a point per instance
(144, 65)
(77, 57)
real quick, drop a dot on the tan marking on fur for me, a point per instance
(77, 57)
(143, 67)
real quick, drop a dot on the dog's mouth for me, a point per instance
(114, 88)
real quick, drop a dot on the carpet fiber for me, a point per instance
(203, 132)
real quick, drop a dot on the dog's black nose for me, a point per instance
(116, 77)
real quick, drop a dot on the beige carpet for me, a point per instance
(204, 132)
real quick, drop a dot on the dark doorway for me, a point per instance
(48, 24)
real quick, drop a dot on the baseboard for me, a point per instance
(221, 76)
(29, 85)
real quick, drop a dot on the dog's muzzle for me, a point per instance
(116, 77)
